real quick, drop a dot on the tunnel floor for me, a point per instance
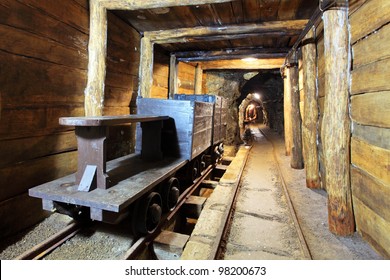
(262, 227)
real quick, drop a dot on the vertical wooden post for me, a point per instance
(336, 122)
(97, 50)
(173, 87)
(287, 111)
(198, 79)
(310, 109)
(145, 68)
(296, 158)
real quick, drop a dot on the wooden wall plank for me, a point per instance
(374, 160)
(371, 77)
(69, 12)
(373, 48)
(186, 78)
(26, 211)
(25, 81)
(368, 18)
(23, 149)
(23, 122)
(372, 192)
(26, 44)
(375, 136)
(23, 17)
(16, 179)
(371, 108)
(372, 226)
(112, 111)
(355, 5)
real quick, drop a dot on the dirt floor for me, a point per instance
(261, 228)
(310, 205)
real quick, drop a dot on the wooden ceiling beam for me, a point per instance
(269, 63)
(205, 38)
(185, 34)
(152, 4)
(231, 54)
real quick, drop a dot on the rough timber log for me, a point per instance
(150, 4)
(173, 85)
(310, 112)
(198, 79)
(296, 158)
(287, 112)
(146, 68)
(336, 123)
(97, 49)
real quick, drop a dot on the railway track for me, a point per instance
(302, 239)
(46, 247)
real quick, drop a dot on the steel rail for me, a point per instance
(144, 241)
(302, 240)
(219, 251)
(48, 245)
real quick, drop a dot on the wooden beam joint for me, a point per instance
(325, 5)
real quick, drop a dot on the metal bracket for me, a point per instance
(88, 181)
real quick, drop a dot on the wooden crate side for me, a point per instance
(203, 127)
(181, 111)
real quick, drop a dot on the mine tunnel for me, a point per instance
(266, 121)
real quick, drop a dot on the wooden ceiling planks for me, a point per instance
(225, 14)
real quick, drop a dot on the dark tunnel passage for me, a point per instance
(264, 91)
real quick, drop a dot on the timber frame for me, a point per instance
(97, 47)
(97, 51)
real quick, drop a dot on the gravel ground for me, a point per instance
(269, 232)
(312, 213)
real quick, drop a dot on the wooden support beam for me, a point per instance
(266, 63)
(173, 85)
(238, 53)
(145, 68)
(310, 112)
(296, 149)
(336, 122)
(97, 49)
(287, 112)
(152, 4)
(190, 34)
(198, 79)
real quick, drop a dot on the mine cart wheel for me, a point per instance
(147, 214)
(203, 164)
(194, 170)
(170, 194)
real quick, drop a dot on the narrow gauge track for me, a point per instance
(302, 240)
(144, 241)
(44, 248)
